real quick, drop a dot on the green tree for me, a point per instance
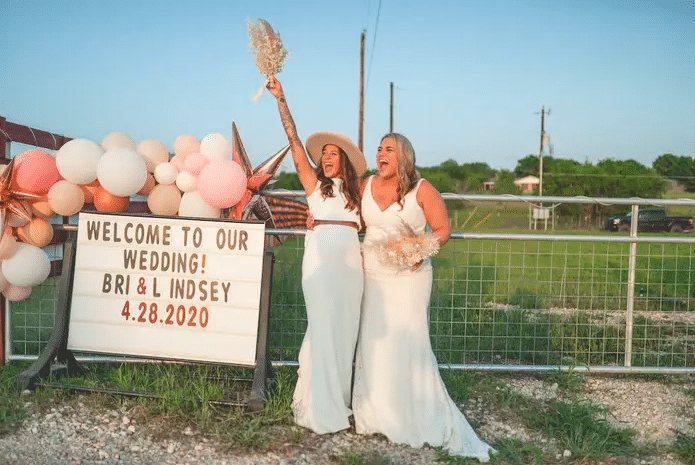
(439, 178)
(289, 181)
(504, 184)
(679, 168)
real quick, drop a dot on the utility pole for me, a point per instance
(540, 168)
(391, 110)
(360, 124)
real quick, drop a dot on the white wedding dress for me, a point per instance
(398, 390)
(332, 281)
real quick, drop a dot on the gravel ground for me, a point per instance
(75, 431)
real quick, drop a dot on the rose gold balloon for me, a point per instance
(88, 191)
(104, 201)
(149, 184)
(42, 209)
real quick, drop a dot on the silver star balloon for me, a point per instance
(254, 202)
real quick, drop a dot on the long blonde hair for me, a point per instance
(408, 176)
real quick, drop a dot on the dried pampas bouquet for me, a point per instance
(267, 47)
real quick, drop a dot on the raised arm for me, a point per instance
(307, 175)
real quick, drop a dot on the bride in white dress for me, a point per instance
(398, 390)
(332, 275)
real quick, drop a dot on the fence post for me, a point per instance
(4, 151)
(632, 263)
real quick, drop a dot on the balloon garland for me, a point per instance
(203, 179)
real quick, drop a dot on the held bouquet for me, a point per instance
(267, 48)
(407, 249)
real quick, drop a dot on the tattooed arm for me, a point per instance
(306, 172)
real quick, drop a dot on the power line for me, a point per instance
(371, 54)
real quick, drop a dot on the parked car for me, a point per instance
(650, 220)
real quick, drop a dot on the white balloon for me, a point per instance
(117, 140)
(154, 153)
(77, 160)
(28, 266)
(192, 204)
(186, 182)
(122, 172)
(215, 147)
(165, 173)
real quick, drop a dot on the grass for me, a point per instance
(184, 396)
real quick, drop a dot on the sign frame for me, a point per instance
(57, 347)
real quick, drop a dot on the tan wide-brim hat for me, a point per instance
(317, 141)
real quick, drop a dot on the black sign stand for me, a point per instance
(57, 345)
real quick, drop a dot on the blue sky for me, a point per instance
(469, 77)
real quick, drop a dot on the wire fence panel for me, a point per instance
(503, 302)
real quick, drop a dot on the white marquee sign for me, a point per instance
(174, 288)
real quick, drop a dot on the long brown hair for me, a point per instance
(408, 176)
(349, 187)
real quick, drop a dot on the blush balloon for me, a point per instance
(4, 283)
(17, 293)
(38, 232)
(65, 198)
(116, 140)
(153, 152)
(8, 244)
(185, 144)
(164, 199)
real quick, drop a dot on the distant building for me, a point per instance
(527, 184)
(489, 184)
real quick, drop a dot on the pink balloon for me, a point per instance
(177, 161)
(17, 293)
(222, 183)
(164, 199)
(65, 198)
(195, 162)
(35, 172)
